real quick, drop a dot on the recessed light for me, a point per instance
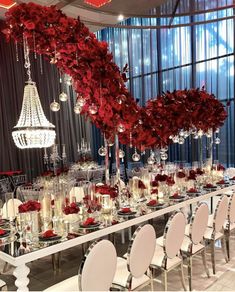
(120, 17)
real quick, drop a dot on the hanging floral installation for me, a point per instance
(100, 85)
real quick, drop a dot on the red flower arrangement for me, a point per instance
(71, 209)
(107, 190)
(29, 206)
(181, 174)
(98, 80)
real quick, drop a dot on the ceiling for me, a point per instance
(105, 14)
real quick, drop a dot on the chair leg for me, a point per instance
(165, 280)
(189, 259)
(182, 275)
(224, 249)
(151, 278)
(5, 267)
(204, 262)
(227, 238)
(213, 255)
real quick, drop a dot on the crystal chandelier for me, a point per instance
(33, 130)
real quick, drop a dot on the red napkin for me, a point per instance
(209, 186)
(192, 190)
(48, 233)
(233, 178)
(114, 222)
(152, 202)
(221, 182)
(176, 195)
(89, 221)
(126, 210)
(2, 232)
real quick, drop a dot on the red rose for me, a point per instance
(181, 174)
(48, 233)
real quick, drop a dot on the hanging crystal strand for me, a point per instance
(131, 140)
(17, 52)
(34, 46)
(60, 74)
(76, 56)
(117, 166)
(106, 161)
(40, 62)
(26, 57)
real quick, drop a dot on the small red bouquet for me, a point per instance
(71, 209)
(107, 190)
(29, 206)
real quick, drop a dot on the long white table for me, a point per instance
(21, 269)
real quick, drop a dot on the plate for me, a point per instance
(90, 226)
(126, 213)
(158, 205)
(52, 238)
(3, 222)
(178, 198)
(6, 234)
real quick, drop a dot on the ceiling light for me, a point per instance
(120, 17)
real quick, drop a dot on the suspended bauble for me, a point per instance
(93, 109)
(175, 139)
(77, 109)
(181, 140)
(121, 98)
(164, 149)
(121, 153)
(55, 106)
(81, 101)
(151, 160)
(195, 136)
(102, 151)
(135, 156)
(217, 140)
(164, 156)
(121, 128)
(63, 96)
(200, 133)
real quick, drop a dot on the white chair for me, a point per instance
(131, 272)
(215, 230)
(166, 256)
(230, 172)
(10, 209)
(193, 239)
(229, 225)
(95, 272)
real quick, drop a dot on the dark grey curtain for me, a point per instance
(70, 128)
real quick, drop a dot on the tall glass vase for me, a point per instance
(200, 152)
(117, 159)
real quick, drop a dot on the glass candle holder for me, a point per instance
(106, 203)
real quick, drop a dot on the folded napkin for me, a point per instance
(48, 234)
(89, 221)
(152, 203)
(125, 210)
(2, 231)
(192, 190)
(221, 182)
(175, 195)
(209, 186)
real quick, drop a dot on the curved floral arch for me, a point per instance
(97, 80)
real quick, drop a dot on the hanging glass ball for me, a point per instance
(164, 149)
(151, 160)
(200, 133)
(121, 128)
(63, 96)
(110, 143)
(136, 156)
(164, 156)
(55, 106)
(77, 109)
(208, 134)
(81, 101)
(93, 109)
(217, 131)
(175, 139)
(217, 140)
(121, 153)
(195, 136)
(181, 133)
(181, 140)
(121, 98)
(102, 151)
(194, 131)
(186, 134)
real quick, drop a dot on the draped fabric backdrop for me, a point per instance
(179, 58)
(70, 128)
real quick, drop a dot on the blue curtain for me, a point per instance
(178, 58)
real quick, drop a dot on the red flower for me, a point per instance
(107, 190)
(29, 206)
(71, 209)
(125, 210)
(89, 221)
(49, 233)
(152, 203)
(141, 185)
(2, 231)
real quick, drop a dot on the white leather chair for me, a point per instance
(215, 229)
(193, 239)
(167, 250)
(131, 272)
(230, 172)
(95, 272)
(229, 225)
(10, 209)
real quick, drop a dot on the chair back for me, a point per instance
(10, 208)
(98, 267)
(199, 223)
(230, 172)
(174, 234)
(220, 213)
(231, 209)
(141, 250)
